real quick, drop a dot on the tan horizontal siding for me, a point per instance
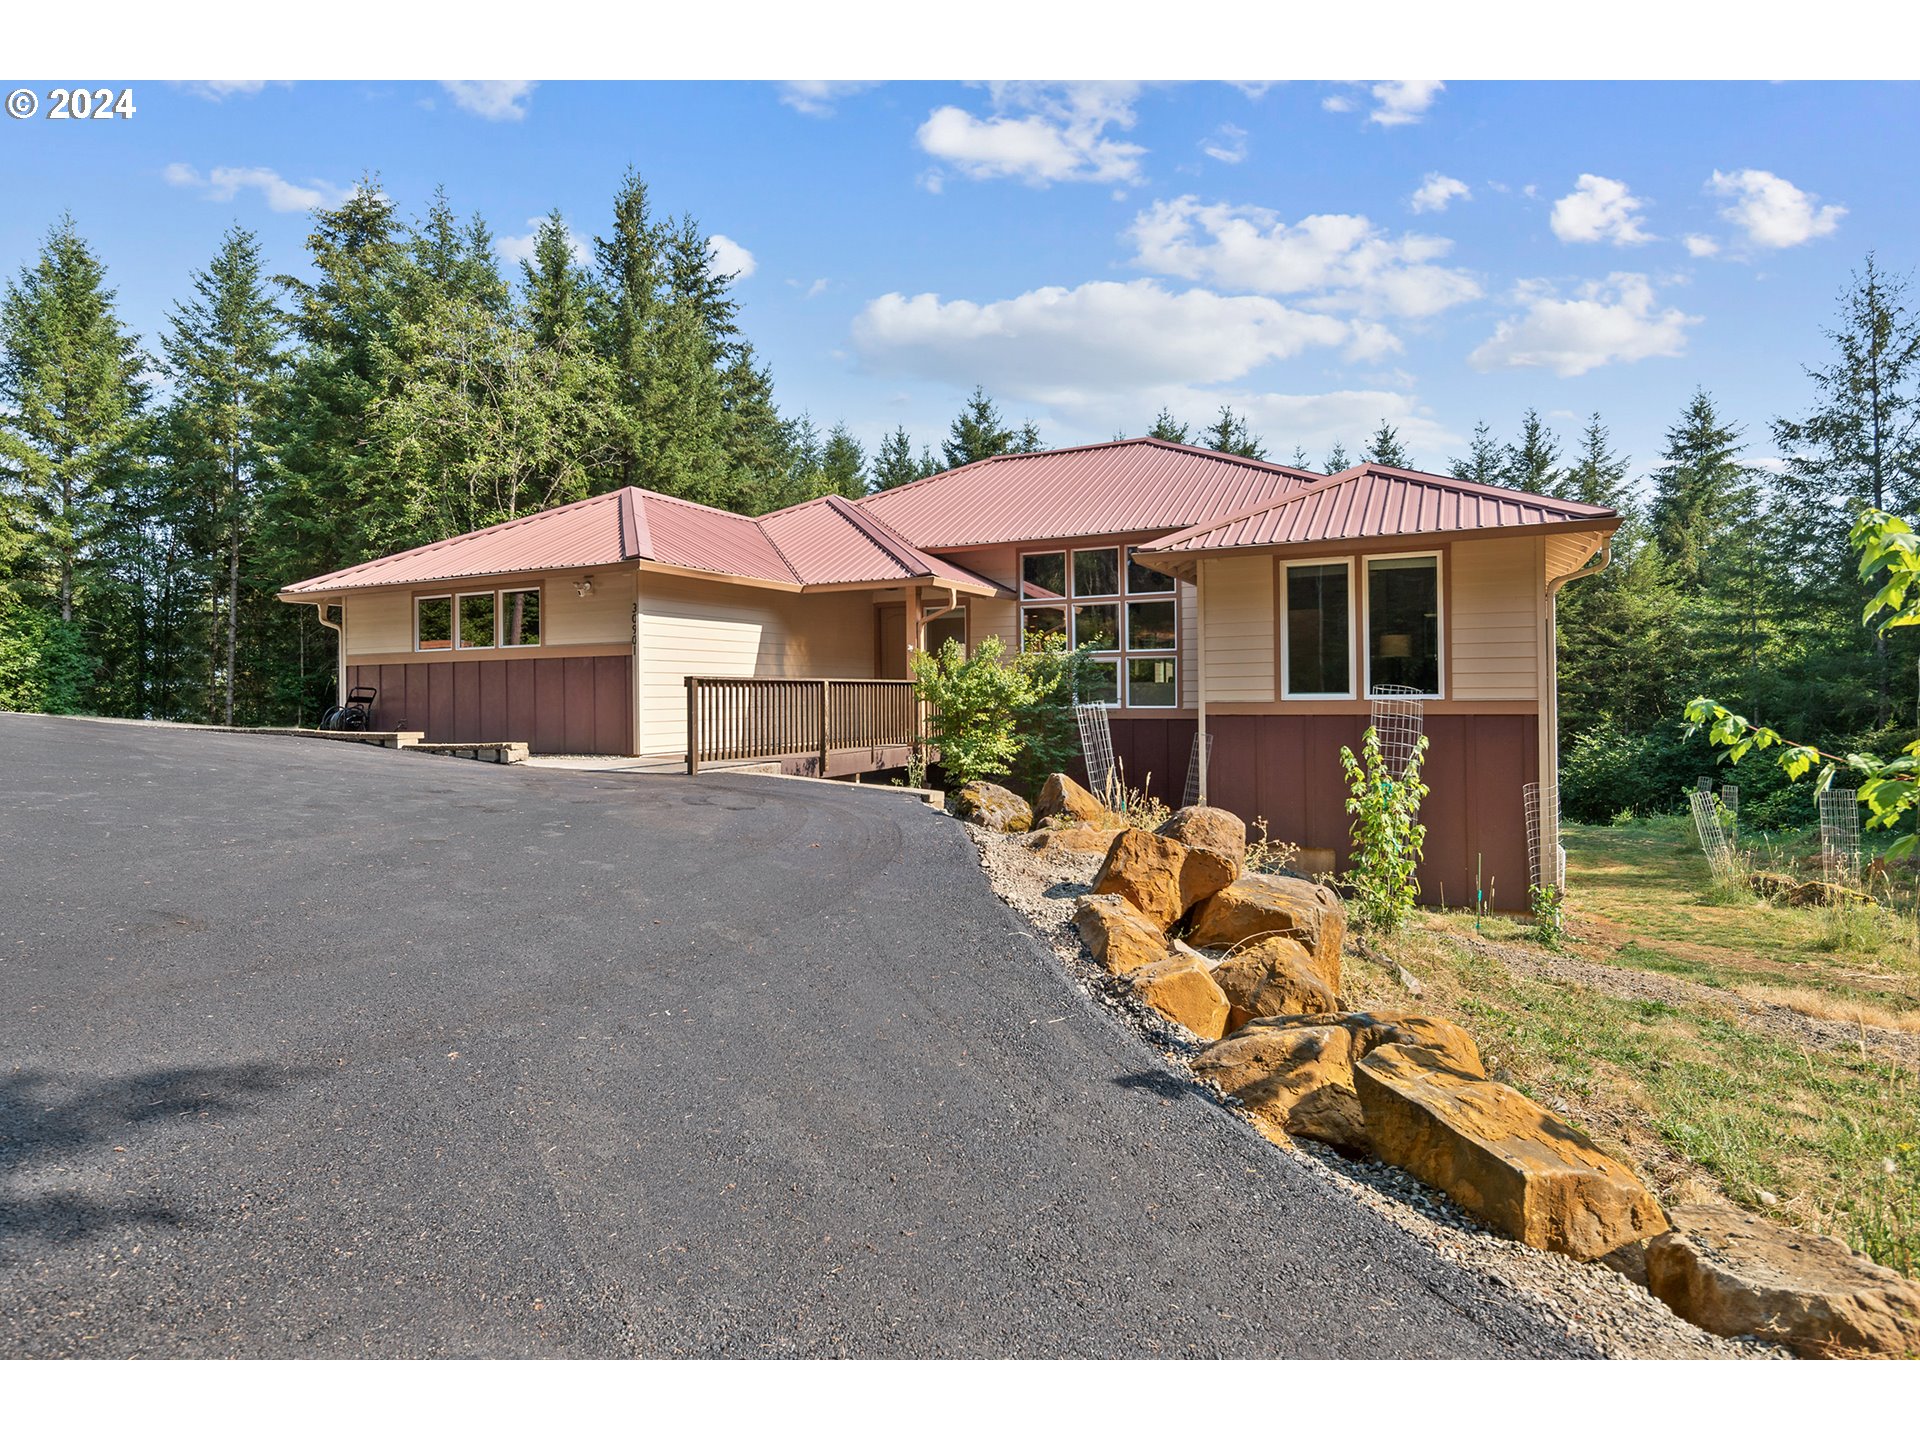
(379, 622)
(1495, 621)
(989, 616)
(1240, 620)
(701, 627)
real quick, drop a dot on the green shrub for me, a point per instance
(1048, 735)
(1387, 834)
(43, 660)
(976, 702)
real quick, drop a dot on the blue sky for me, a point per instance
(1320, 256)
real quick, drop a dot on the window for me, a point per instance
(1096, 572)
(433, 622)
(1102, 599)
(476, 621)
(1097, 625)
(519, 617)
(1142, 581)
(1403, 623)
(1319, 636)
(1150, 682)
(1150, 625)
(1043, 577)
(944, 628)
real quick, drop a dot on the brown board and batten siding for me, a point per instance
(571, 694)
(708, 627)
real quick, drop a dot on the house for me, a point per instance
(1264, 601)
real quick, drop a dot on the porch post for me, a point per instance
(693, 725)
(824, 684)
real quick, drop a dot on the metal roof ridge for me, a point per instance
(902, 551)
(1481, 487)
(1279, 502)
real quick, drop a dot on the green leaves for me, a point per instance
(975, 703)
(1387, 835)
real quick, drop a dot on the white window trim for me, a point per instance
(453, 623)
(1119, 576)
(1126, 620)
(1119, 623)
(1123, 686)
(1151, 657)
(1439, 619)
(460, 595)
(500, 616)
(1287, 692)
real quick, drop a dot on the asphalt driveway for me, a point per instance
(316, 1049)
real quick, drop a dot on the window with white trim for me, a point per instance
(1101, 597)
(1317, 634)
(520, 618)
(476, 612)
(1403, 623)
(433, 622)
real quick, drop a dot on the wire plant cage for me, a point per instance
(1096, 744)
(1840, 837)
(1197, 765)
(1546, 856)
(1398, 719)
(1713, 836)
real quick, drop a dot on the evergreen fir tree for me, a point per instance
(554, 287)
(1337, 459)
(893, 462)
(72, 445)
(1165, 427)
(224, 358)
(1485, 461)
(1385, 449)
(1532, 463)
(843, 463)
(978, 432)
(1597, 475)
(1028, 439)
(1229, 435)
(1703, 498)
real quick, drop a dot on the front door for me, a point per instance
(890, 642)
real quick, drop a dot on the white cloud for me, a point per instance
(1702, 246)
(217, 90)
(224, 182)
(1599, 209)
(1437, 192)
(1403, 102)
(730, 257)
(819, 98)
(516, 248)
(1059, 345)
(1342, 261)
(812, 290)
(1608, 322)
(492, 99)
(1338, 104)
(1039, 134)
(1774, 213)
(1228, 145)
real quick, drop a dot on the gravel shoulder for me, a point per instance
(1606, 1310)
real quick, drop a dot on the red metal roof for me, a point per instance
(822, 542)
(1376, 501)
(1116, 488)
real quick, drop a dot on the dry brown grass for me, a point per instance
(1822, 1005)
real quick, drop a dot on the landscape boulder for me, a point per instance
(1737, 1274)
(1146, 870)
(1180, 988)
(1120, 937)
(1294, 1074)
(1207, 827)
(1070, 840)
(1063, 797)
(1276, 976)
(992, 806)
(1255, 907)
(1526, 1172)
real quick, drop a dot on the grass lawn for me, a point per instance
(1724, 1044)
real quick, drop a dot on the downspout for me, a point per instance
(340, 648)
(1200, 671)
(928, 617)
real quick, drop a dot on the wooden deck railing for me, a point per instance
(733, 719)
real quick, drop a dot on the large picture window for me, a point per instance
(1128, 615)
(1319, 631)
(1403, 623)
